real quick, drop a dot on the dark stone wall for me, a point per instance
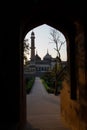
(74, 113)
(10, 70)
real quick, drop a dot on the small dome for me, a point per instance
(37, 57)
(47, 56)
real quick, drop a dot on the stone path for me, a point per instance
(43, 109)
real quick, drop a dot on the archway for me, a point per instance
(70, 29)
(72, 55)
(41, 65)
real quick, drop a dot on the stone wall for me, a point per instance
(69, 108)
(80, 41)
(74, 112)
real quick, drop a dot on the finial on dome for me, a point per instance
(47, 51)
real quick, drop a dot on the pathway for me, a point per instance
(43, 109)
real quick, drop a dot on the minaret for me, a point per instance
(32, 46)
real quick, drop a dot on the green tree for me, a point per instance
(26, 49)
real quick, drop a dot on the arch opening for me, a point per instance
(71, 58)
(39, 64)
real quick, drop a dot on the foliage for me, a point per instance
(26, 49)
(29, 84)
(48, 77)
(52, 81)
(49, 89)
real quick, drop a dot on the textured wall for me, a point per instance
(74, 112)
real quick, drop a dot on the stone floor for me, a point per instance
(43, 109)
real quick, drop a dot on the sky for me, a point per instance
(44, 43)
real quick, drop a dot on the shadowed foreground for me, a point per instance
(43, 109)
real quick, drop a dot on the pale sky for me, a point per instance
(44, 43)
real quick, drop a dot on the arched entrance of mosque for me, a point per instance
(72, 31)
(72, 25)
(31, 71)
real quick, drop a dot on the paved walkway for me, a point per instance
(43, 109)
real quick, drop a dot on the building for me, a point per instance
(37, 66)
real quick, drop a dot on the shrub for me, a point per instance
(29, 84)
(49, 89)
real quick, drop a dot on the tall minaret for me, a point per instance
(32, 46)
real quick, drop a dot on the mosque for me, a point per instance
(37, 66)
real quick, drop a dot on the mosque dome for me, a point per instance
(47, 56)
(37, 57)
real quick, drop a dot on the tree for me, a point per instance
(26, 50)
(55, 38)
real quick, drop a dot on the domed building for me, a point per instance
(36, 65)
(47, 57)
(37, 58)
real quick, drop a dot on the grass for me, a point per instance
(29, 85)
(48, 89)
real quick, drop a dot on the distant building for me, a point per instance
(37, 66)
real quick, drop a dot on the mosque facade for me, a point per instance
(37, 66)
